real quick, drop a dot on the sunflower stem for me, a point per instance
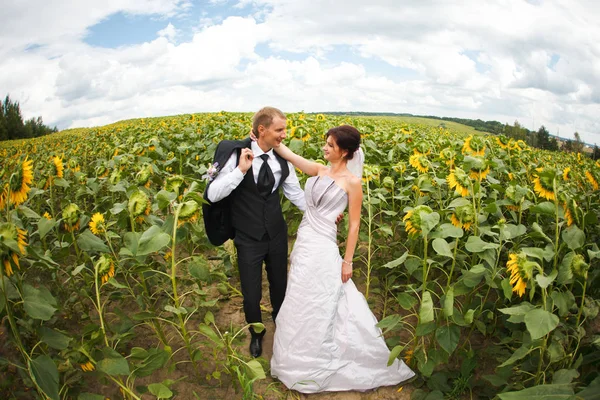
(453, 264)
(99, 305)
(176, 299)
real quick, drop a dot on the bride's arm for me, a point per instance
(308, 167)
(355, 197)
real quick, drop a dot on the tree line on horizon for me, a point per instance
(13, 127)
(541, 139)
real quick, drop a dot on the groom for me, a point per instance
(252, 180)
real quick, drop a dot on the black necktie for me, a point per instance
(266, 180)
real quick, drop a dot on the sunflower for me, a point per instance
(106, 268)
(47, 215)
(10, 232)
(519, 277)
(459, 181)
(479, 168)
(399, 167)
(102, 171)
(566, 172)
(591, 179)
(543, 184)
(87, 367)
(3, 196)
(143, 175)
(579, 266)
(503, 142)
(408, 356)
(189, 212)
(21, 237)
(422, 148)
(474, 145)
(463, 217)
(7, 267)
(139, 205)
(97, 224)
(59, 168)
(371, 172)
(70, 215)
(419, 162)
(20, 181)
(448, 156)
(412, 219)
(568, 214)
(519, 145)
(320, 117)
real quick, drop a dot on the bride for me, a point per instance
(326, 338)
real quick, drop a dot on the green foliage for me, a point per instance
(497, 274)
(12, 126)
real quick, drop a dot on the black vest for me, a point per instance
(255, 215)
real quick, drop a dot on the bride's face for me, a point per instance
(331, 151)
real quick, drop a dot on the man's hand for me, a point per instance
(246, 158)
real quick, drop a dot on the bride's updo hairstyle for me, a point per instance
(346, 137)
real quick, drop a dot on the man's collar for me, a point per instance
(257, 151)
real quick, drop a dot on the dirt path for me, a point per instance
(231, 312)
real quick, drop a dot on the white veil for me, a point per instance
(355, 165)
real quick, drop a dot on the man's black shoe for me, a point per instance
(256, 345)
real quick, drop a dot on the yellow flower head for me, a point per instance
(106, 268)
(519, 276)
(543, 184)
(20, 181)
(7, 267)
(412, 219)
(97, 224)
(448, 156)
(503, 141)
(59, 168)
(399, 167)
(87, 367)
(566, 172)
(459, 181)
(479, 168)
(3, 196)
(463, 217)
(419, 162)
(591, 179)
(70, 215)
(371, 172)
(474, 145)
(422, 148)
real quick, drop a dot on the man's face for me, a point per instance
(274, 134)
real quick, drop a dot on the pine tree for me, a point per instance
(3, 128)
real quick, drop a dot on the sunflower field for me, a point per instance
(478, 254)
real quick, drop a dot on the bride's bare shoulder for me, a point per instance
(353, 180)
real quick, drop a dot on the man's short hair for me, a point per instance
(264, 117)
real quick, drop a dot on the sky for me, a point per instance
(80, 63)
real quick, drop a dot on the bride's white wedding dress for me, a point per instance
(325, 336)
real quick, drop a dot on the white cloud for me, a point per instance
(168, 32)
(537, 62)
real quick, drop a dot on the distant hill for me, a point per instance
(494, 127)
